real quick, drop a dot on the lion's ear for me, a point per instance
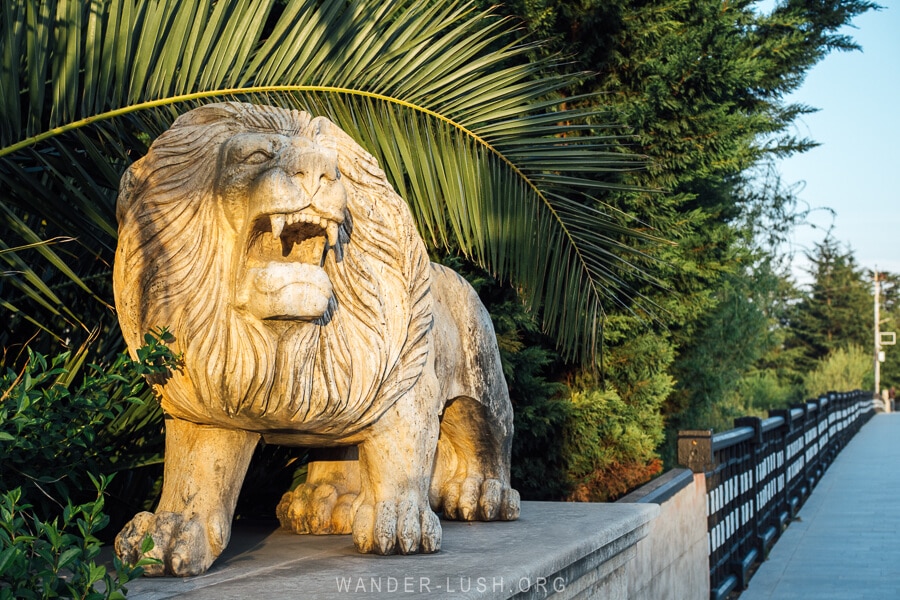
(126, 192)
(328, 135)
(321, 127)
(210, 114)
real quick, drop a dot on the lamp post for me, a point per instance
(882, 338)
(877, 337)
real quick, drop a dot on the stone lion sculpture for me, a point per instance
(307, 313)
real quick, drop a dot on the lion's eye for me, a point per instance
(257, 157)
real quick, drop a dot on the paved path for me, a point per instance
(845, 544)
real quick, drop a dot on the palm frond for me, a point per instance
(468, 131)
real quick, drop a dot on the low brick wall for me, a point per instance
(671, 562)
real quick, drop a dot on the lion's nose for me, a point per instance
(313, 174)
(314, 167)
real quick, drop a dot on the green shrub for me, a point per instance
(762, 391)
(843, 369)
(615, 428)
(58, 558)
(56, 433)
(607, 448)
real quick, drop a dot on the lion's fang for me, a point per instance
(332, 232)
(277, 225)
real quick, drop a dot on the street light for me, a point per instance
(882, 338)
(877, 337)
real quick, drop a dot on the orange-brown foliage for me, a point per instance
(614, 481)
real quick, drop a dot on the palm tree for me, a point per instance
(466, 128)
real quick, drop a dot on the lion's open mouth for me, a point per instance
(285, 276)
(293, 237)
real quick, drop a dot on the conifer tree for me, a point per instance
(837, 312)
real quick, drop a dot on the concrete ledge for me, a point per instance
(563, 550)
(662, 488)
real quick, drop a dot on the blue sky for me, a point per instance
(856, 169)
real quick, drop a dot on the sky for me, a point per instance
(856, 169)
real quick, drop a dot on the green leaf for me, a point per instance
(68, 557)
(97, 572)
(147, 544)
(7, 556)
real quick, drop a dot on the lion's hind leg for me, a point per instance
(323, 504)
(471, 479)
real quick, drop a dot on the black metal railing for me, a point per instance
(759, 474)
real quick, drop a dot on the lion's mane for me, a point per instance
(176, 267)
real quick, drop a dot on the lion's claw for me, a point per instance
(474, 499)
(404, 527)
(181, 545)
(491, 500)
(409, 528)
(316, 509)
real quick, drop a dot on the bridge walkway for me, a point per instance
(845, 543)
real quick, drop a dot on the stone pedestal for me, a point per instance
(559, 550)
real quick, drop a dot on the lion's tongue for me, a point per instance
(280, 290)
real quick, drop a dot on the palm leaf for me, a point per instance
(465, 127)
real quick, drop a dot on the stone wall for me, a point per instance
(558, 550)
(672, 562)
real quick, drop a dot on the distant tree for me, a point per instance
(837, 312)
(736, 363)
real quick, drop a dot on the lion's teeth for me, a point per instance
(332, 233)
(277, 225)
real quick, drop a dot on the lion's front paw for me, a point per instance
(476, 499)
(183, 546)
(316, 509)
(406, 526)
